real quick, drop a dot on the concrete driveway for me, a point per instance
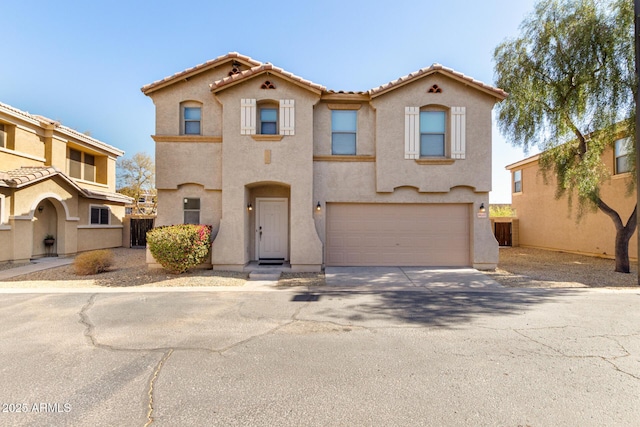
(409, 278)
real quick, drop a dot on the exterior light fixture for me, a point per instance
(40, 208)
(482, 209)
(318, 207)
(249, 207)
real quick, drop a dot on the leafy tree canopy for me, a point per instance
(571, 82)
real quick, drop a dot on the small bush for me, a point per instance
(93, 262)
(179, 247)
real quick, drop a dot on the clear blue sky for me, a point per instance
(83, 62)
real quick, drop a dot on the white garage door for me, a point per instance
(361, 234)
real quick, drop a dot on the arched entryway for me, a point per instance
(268, 210)
(45, 224)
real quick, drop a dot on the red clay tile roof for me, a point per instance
(29, 175)
(235, 78)
(498, 93)
(197, 69)
(259, 67)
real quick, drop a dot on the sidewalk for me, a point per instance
(35, 265)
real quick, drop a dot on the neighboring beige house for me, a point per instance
(549, 223)
(286, 170)
(55, 181)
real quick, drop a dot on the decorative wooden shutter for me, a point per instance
(247, 116)
(287, 117)
(458, 132)
(412, 132)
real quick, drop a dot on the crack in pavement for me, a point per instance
(152, 381)
(609, 360)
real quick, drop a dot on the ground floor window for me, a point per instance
(100, 215)
(191, 209)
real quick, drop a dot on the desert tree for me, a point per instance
(136, 179)
(571, 82)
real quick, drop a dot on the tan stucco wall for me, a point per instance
(365, 135)
(99, 238)
(392, 170)
(230, 174)
(549, 223)
(179, 163)
(168, 100)
(290, 166)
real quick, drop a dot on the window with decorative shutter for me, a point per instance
(287, 117)
(458, 132)
(411, 132)
(247, 116)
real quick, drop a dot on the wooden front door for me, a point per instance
(272, 228)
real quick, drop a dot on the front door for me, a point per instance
(272, 228)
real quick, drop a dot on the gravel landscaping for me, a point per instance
(518, 267)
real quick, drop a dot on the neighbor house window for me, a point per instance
(192, 117)
(623, 156)
(82, 165)
(100, 215)
(343, 131)
(75, 163)
(3, 136)
(517, 181)
(432, 133)
(191, 209)
(268, 121)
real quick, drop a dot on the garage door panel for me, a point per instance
(398, 234)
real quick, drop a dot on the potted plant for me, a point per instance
(49, 240)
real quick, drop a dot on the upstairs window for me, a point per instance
(343, 132)
(268, 121)
(191, 209)
(432, 133)
(75, 164)
(267, 117)
(81, 165)
(3, 136)
(192, 117)
(100, 215)
(623, 156)
(517, 181)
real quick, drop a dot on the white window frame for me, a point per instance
(517, 181)
(624, 152)
(250, 115)
(101, 208)
(455, 132)
(343, 132)
(185, 210)
(183, 120)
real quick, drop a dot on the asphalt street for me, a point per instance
(321, 357)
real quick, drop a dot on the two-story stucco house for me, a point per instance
(287, 170)
(55, 181)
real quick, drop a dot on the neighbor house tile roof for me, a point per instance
(23, 176)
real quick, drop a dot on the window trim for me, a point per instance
(100, 208)
(518, 174)
(185, 210)
(445, 133)
(345, 132)
(183, 119)
(626, 153)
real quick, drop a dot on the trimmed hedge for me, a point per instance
(179, 247)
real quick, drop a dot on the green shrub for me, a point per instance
(179, 247)
(93, 262)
